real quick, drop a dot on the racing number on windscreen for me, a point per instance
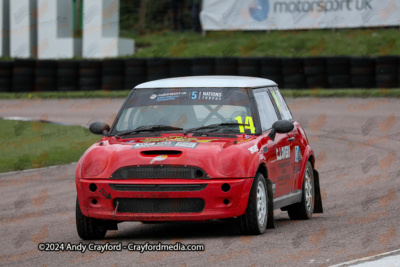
(249, 122)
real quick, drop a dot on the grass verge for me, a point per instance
(28, 144)
(342, 42)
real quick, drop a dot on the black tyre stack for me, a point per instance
(113, 74)
(45, 75)
(315, 72)
(203, 66)
(292, 69)
(135, 72)
(271, 68)
(387, 72)
(338, 70)
(24, 75)
(67, 75)
(180, 67)
(6, 71)
(362, 72)
(89, 75)
(249, 67)
(157, 68)
(226, 66)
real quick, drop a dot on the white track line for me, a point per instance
(366, 258)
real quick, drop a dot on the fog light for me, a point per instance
(94, 201)
(226, 187)
(93, 187)
(226, 201)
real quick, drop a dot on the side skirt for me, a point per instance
(286, 200)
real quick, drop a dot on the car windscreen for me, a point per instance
(187, 108)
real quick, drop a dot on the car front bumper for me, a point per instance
(101, 203)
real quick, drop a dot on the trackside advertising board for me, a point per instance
(292, 14)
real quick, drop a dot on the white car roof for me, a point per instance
(208, 81)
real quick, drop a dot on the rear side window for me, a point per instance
(266, 110)
(281, 104)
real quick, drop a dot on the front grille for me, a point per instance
(159, 205)
(159, 171)
(157, 187)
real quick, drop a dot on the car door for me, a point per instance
(293, 140)
(273, 154)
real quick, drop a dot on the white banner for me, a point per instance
(295, 14)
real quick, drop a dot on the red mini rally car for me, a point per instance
(195, 149)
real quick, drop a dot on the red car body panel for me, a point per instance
(214, 155)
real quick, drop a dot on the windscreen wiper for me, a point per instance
(148, 128)
(211, 126)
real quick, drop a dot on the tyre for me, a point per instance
(362, 71)
(271, 66)
(254, 221)
(338, 65)
(318, 81)
(304, 209)
(363, 81)
(180, 67)
(386, 69)
(386, 81)
(292, 66)
(112, 83)
(362, 62)
(314, 66)
(132, 81)
(157, 69)
(249, 67)
(226, 66)
(265, 71)
(203, 66)
(89, 228)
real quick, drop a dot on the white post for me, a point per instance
(23, 29)
(101, 30)
(55, 29)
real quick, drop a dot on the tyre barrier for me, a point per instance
(203, 66)
(67, 75)
(315, 72)
(90, 75)
(135, 72)
(45, 75)
(6, 75)
(28, 75)
(23, 78)
(271, 68)
(112, 74)
(157, 68)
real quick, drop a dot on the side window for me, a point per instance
(281, 104)
(266, 110)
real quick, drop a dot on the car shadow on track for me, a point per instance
(177, 230)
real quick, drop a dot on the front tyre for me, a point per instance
(89, 228)
(304, 209)
(254, 221)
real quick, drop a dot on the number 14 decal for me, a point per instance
(249, 122)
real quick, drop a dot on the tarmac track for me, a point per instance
(356, 142)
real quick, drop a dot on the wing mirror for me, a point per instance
(99, 128)
(282, 126)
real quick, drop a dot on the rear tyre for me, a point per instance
(254, 221)
(304, 209)
(89, 228)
